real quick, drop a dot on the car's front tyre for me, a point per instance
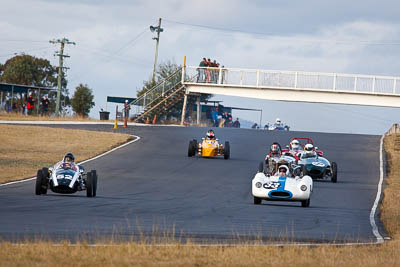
(89, 184)
(257, 200)
(305, 203)
(334, 172)
(38, 185)
(41, 182)
(227, 150)
(190, 149)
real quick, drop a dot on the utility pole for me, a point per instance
(158, 29)
(61, 56)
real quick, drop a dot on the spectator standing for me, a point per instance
(208, 74)
(45, 106)
(30, 104)
(127, 107)
(215, 117)
(236, 123)
(201, 70)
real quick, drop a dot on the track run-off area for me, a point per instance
(150, 188)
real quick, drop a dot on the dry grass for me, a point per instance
(133, 254)
(390, 206)
(25, 149)
(19, 117)
(177, 254)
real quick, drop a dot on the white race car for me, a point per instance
(66, 178)
(285, 187)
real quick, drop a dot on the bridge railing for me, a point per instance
(292, 80)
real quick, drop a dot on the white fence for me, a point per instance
(292, 80)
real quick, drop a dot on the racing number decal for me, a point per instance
(271, 185)
(67, 176)
(318, 164)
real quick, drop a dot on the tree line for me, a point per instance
(32, 71)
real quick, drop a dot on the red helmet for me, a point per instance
(275, 149)
(210, 134)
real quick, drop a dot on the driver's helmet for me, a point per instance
(278, 121)
(295, 144)
(275, 150)
(285, 168)
(69, 158)
(210, 134)
(309, 149)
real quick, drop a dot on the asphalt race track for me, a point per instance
(151, 188)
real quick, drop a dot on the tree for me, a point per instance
(82, 101)
(29, 70)
(165, 70)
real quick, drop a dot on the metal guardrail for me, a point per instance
(292, 80)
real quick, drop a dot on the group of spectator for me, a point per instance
(223, 119)
(207, 75)
(28, 105)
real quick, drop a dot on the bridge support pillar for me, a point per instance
(198, 110)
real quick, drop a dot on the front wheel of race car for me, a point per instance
(334, 172)
(89, 184)
(94, 186)
(38, 186)
(227, 150)
(190, 149)
(45, 180)
(305, 203)
(257, 200)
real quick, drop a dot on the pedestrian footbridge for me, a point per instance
(295, 86)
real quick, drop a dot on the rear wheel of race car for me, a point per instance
(334, 172)
(257, 200)
(261, 167)
(45, 180)
(89, 184)
(305, 203)
(190, 149)
(38, 186)
(94, 184)
(227, 150)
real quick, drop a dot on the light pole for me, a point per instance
(158, 29)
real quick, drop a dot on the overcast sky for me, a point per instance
(114, 50)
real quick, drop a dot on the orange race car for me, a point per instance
(209, 147)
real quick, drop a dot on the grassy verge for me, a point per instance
(25, 149)
(176, 254)
(20, 117)
(133, 254)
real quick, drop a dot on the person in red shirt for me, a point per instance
(30, 104)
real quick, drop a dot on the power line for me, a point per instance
(110, 55)
(30, 50)
(23, 41)
(272, 35)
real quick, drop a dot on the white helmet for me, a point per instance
(295, 144)
(308, 147)
(278, 121)
(284, 167)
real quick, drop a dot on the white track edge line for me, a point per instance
(96, 157)
(375, 230)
